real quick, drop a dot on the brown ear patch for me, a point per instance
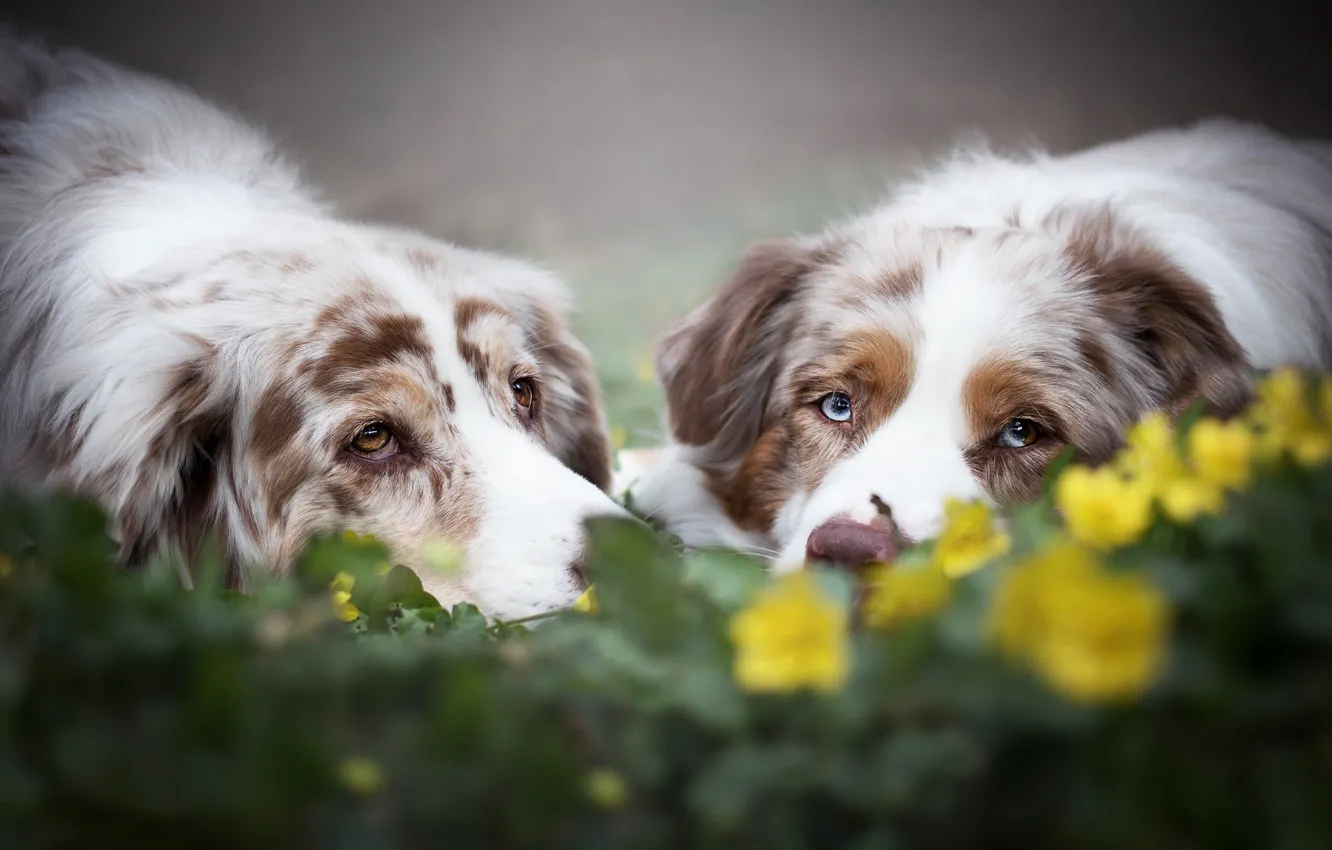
(719, 364)
(1185, 350)
(754, 494)
(177, 499)
(572, 413)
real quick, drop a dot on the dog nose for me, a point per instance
(847, 543)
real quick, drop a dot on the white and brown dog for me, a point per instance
(193, 340)
(953, 340)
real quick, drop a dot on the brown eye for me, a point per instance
(1018, 434)
(524, 393)
(374, 441)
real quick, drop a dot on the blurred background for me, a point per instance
(636, 145)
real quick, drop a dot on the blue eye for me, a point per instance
(836, 406)
(1018, 434)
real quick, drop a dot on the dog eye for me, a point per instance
(524, 394)
(374, 442)
(1018, 434)
(836, 406)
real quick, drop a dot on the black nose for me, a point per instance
(847, 543)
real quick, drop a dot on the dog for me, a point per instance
(829, 397)
(195, 341)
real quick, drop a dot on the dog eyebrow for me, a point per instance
(359, 341)
(467, 313)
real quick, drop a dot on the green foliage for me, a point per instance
(137, 714)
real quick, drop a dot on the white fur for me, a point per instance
(128, 208)
(1239, 209)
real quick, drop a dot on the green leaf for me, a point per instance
(729, 579)
(838, 585)
(1056, 468)
(467, 624)
(400, 587)
(1187, 420)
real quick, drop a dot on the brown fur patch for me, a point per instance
(994, 394)
(475, 358)
(874, 368)
(1177, 329)
(573, 422)
(467, 312)
(719, 365)
(763, 483)
(360, 344)
(278, 422)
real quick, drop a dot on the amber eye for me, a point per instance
(1018, 434)
(374, 441)
(524, 393)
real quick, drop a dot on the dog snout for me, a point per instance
(848, 543)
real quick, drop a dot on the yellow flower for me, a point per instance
(1187, 497)
(791, 637)
(1311, 448)
(1015, 612)
(351, 538)
(1222, 452)
(606, 788)
(343, 582)
(1284, 422)
(343, 608)
(1102, 507)
(1149, 452)
(361, 776)
(587, 603)
(969, 539)
(900, 594)
(1091, 633)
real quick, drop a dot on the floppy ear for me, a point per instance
(572, 409)
(719, 365)
(149, 454)
(1185, 351)
(176, 500)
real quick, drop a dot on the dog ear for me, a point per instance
(162, 485)
(720, 363)
(1185, 351)
(572, 409)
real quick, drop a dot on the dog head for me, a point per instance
(885, 365)
(346, 378)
